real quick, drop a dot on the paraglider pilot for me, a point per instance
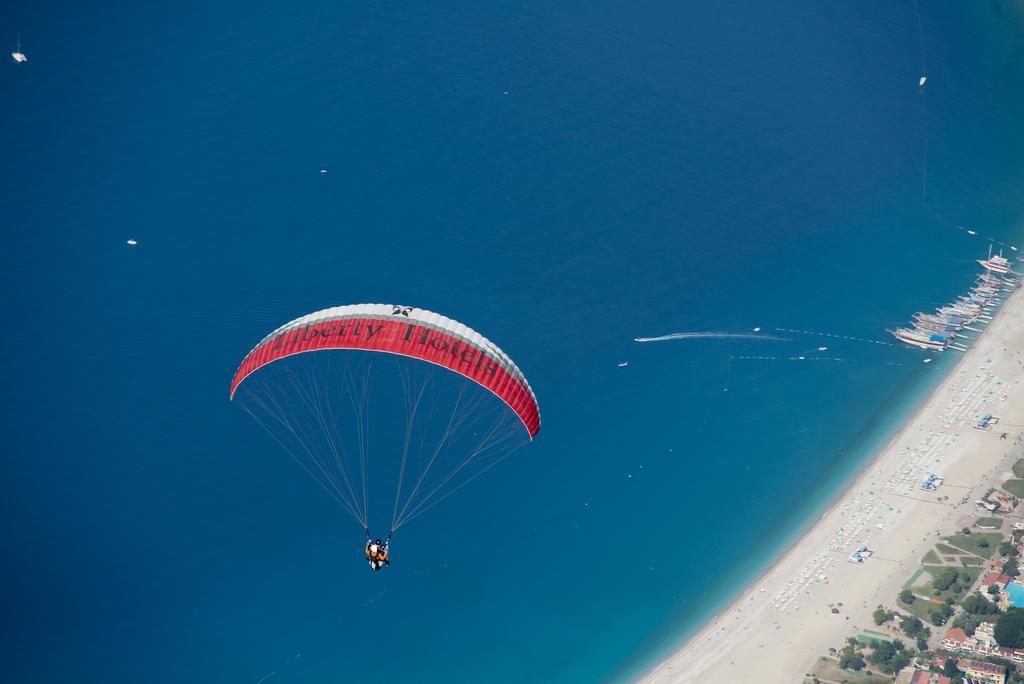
(377, 552)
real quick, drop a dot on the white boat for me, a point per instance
(623, 364)
(920, 339)
(951, 322)
(996, 282)
(132, 242)
(19, 56)
(920, 84)
(963, 309)
(966, 304)
(929, 327)
(996, 263)
(956, 314)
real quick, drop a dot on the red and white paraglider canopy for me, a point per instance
(404, 331)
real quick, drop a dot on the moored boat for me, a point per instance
(920, 339)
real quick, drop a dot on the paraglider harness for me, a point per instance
(377, 554)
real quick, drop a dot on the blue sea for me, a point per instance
(563, 177)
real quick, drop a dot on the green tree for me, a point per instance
(1010, 568)
(977, 604)
(950, 669)
(907, 596)
(939, 615)
(889, 657)
(881, 651)
(850, 659)
(881, 615)
(967, 622)
(1009, 630)
(913, 627)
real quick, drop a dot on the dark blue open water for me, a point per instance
(654, 167)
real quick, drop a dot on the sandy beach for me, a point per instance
(781, 624)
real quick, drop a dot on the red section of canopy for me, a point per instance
(405, 338)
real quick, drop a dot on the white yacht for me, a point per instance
(19, 56)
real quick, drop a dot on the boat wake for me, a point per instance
(711, 336)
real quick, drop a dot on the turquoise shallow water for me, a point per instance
(657, 169)
(1016, 592)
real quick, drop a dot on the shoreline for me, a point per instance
(702, 656)
(849, 483)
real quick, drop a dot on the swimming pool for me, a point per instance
(1016, 592)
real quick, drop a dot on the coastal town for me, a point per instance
(912, 575)
(959, 617)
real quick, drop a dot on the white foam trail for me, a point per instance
(710, 335)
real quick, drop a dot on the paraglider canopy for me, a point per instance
(411, 395)
(405, 331)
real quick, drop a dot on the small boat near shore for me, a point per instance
(19, 56)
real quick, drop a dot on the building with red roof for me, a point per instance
(954, 639)
(913, 676)
(981, 671)
(999, 578)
